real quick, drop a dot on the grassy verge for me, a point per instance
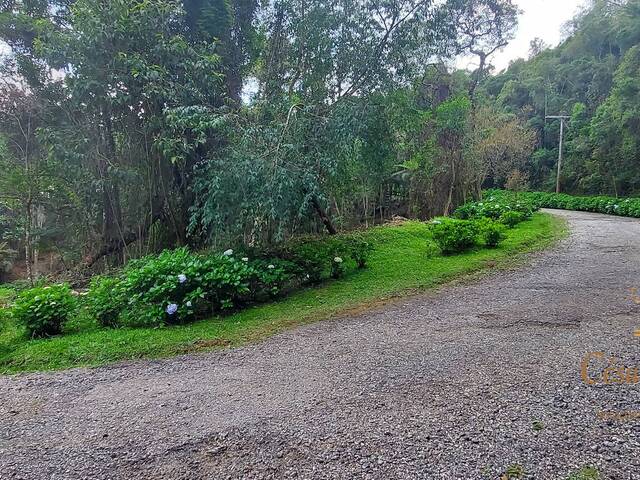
(405, 261)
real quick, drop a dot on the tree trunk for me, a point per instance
(323, 216)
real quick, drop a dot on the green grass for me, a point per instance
(585, 473)
(405, 262)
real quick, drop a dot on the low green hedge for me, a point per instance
(624, 207)
(454, 235)
(179, 286)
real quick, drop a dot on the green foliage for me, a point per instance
(492, 232)
(514, 472)
(403, 261)
(601, 55)
(495, 206)
(585, 473)
(106, 299)
(625, 207)
(511, 218)
(453, 235)
(359, 248)
(315, 257)
(43, 310)
(176, 286)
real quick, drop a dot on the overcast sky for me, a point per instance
(540, 18)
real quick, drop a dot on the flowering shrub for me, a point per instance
(314, 259)
(455, 236)
(494, 207)
(337, 267)
(178, 286)
(105, 300)
(511, 218)
(271, 276)
(492, 232)
(625, 207)
(43, 310)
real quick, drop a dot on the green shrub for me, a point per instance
(272, 276)
(511, 218)
(43, 310)
(626, 207)
(314, 257)
(359, 249)
(453, 235)
(337, 267)
(495, 206)
(176, 285)
(106, 299)
(492, 232)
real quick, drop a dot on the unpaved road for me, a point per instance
(443, 386)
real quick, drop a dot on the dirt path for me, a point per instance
(458, 384)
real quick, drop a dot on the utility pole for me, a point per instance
(562, 119)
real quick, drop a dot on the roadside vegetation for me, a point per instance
(624, 207)
(153, 308)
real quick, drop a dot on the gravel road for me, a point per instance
(462, 383)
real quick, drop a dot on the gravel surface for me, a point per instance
(462, 383)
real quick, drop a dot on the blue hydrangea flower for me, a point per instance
(172, 308)
(182, 278)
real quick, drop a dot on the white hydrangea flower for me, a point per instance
(228, 253)
(182, 278)
(189, 303)
(271, 267)
(172, 308)
(337, 260)
(245, 259)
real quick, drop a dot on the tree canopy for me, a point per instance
(134, 125)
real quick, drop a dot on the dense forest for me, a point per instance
(130, 126)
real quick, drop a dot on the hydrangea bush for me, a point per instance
(43, 310)
(178, 286)
(625, 207)
(455, 235)
(494, 208)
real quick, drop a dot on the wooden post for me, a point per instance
(562, 118)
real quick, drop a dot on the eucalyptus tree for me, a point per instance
(323, 65)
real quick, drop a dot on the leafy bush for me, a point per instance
(43, 310)
(626, 207)
(453, 235)
(359, 249)
(511, 218)
(176, 286)
(314, 258)
(495, 207)
(492, 232)
(337, 267)
(106, 299)
(272, 276)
